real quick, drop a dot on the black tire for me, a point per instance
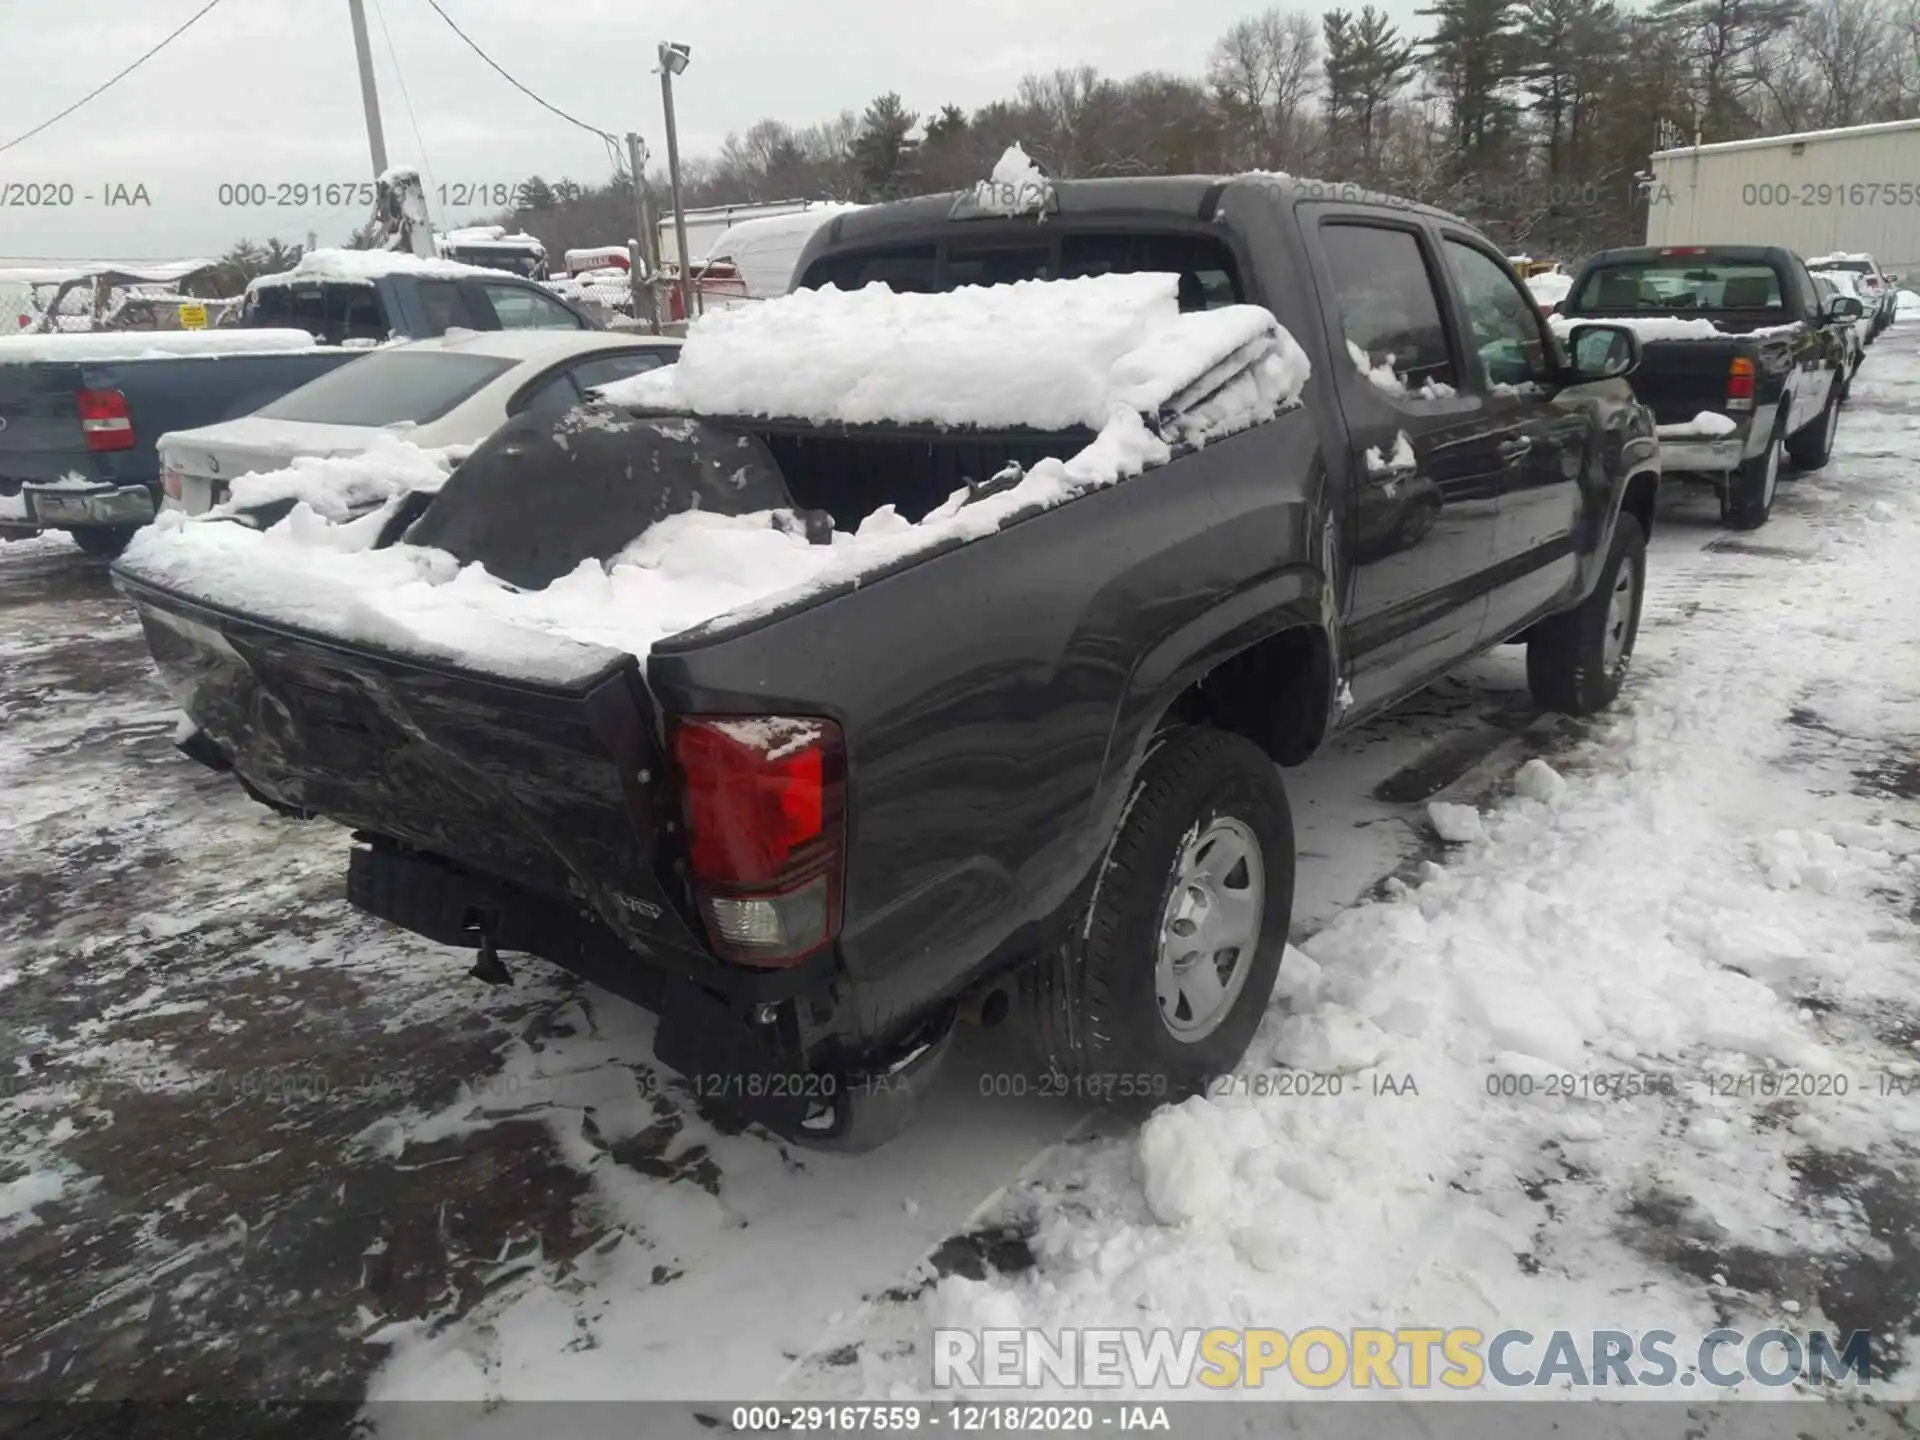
(104, 542)
(1813, 446)
(1571, 666)
(1093, 1005)
(1746, 497)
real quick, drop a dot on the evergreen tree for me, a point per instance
(883, 155)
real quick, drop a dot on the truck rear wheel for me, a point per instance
(1164, 981)
(1576, 661)
(1746, 499)
(1813, 446)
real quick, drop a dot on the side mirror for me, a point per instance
(1845, 307)
(1603, 352)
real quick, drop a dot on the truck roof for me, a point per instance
(366, 266)
(1753, 254)
(1185, 196)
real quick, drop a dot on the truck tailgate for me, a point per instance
(40, 435)
(551, 789)
(1680, 378)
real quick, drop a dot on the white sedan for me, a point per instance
(454, 390)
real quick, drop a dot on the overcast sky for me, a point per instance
(266, 92)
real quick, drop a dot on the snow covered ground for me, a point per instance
(254, 1145)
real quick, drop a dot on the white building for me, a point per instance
(1849, 190)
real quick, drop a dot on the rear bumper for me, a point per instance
(63, 507)
(731, 1032)
(1703, 456)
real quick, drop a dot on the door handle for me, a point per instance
(1514, 449)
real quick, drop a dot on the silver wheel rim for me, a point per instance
(1833, 423)
(1209, 929)
(1773, 476)
(1626, 586)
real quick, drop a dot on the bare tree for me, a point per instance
(1265, 70)
(1847, 45)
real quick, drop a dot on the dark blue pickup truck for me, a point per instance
(80, 414)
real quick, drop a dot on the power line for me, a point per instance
(393, 54)
(117, 78)
(590, 129)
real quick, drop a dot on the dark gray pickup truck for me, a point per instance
(1030, 772)
(1744, 364)
(77, 434)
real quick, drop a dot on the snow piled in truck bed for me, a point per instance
(1050, 354)
(1101, 352)
(1664, 327)
(314, 572)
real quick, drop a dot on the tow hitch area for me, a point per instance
(733, 1062)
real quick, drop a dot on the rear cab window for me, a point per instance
(1683, 285)
(1208, 276)
(521, 307)
(388, 388)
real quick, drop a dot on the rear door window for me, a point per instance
(520, 307)
(387, 388)
(1389, 309)
(567, 388)
(605, 369)
(447, 307)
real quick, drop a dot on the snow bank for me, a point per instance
(1906, 302)
(149, 344)
(1707, 425)
(1050, 354)
(1553, 1071)
(366, 266)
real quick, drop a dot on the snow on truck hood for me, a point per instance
(1102, 352)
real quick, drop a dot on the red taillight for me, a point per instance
(1740, 384)
(104, 419)
(170, 480)
(1683, 250)
(761, 797)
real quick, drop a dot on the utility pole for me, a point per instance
(376, 142)
(673, 60)
(643, 268)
